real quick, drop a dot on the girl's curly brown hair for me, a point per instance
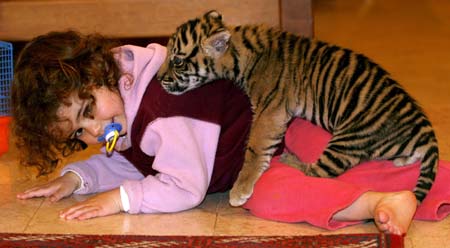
(49, 69)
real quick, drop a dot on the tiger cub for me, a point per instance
(370, 116)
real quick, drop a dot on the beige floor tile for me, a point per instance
(429, 234)
(15, 214)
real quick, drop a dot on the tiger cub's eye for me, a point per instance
(177, 61)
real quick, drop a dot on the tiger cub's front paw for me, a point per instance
(240, 193)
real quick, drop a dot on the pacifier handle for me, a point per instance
(111, 135)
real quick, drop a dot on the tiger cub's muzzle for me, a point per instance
(171, 86)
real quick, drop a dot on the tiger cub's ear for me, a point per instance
(216, 44)
(212, 14)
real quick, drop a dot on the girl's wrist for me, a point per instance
(73, 178)
(115, 194)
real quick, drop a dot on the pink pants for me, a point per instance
(286, 194)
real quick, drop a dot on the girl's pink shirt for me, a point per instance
(184, 148)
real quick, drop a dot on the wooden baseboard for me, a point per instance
(24, 19)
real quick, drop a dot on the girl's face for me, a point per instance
(87, 118)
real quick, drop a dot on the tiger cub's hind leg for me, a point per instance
(292, 160)
(402, 161)
(332, 162)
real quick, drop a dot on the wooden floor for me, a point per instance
(409, 38)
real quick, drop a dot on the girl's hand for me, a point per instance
(103, 204)
(54, 190)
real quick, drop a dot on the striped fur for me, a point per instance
(370, 116)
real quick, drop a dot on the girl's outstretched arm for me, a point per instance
(55, 190)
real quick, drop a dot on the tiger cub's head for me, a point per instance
(192, 51)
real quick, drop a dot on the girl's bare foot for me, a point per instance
(392, 212)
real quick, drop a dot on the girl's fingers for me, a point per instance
(35, 192)
(76, 210)
(89, 214)
(80, 212)
(69, 211)
(54, 192)
(27, 193)
(21, 196)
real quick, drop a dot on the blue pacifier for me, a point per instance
(111, 135)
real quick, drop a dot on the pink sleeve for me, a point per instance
(286, 194)
(184, 151)
(101, 173)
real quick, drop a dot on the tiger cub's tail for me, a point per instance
(428, 169)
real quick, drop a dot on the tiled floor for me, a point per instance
(409, 38)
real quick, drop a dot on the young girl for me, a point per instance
(170, 151)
